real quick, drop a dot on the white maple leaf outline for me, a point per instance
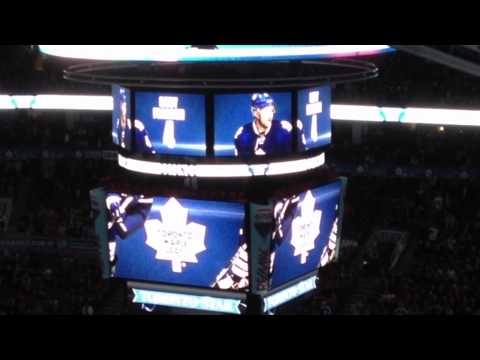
(174, 239)
(306, 228)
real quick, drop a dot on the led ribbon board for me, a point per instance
(290, 293)
(185, 301)
(191, 53)
(221, 170)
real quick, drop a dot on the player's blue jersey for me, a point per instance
(123, 134)
(142, 140)
(277, 141)
(124, 222)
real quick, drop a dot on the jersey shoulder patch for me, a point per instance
(139, 125)
(238, 133)
(286, 125)
(299, 125)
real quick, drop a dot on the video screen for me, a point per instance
(177, 241)
(254, 124)
(121, 117)
(168, 123)
(305, 232)
(314, 123)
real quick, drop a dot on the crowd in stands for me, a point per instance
(34, 283)
(43, 205)
(443, 226)
(23, 68)
(31, 171)
(418, 146)
(406, 80)
(40, 130)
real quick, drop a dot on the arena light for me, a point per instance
(23, 101)
(441, 117)
(290, 293)
(73, 102)
(179, 53)
(365, 113)
(6, 103)
(56, 102)
(221, 170)
(186, 301)
(409, 115)
(115, 52)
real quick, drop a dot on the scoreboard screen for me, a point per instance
(314, 122)
(121, 117)
(168, 123)
(305, 234)
(177, 241)
(253, 124)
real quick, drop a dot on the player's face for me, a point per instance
(123, 115)
(265, 116)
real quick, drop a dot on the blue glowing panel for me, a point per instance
(304, 226)
(173, 123)
(121, 117)
(315, 125)
(255, 124)
(176, 241)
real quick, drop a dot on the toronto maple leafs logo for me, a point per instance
(306, 228)
(174, 239)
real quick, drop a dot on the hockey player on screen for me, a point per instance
(124, 129)
(126, 214)
(235, 275)
(123, 124)
(264, 135)
(284, 214)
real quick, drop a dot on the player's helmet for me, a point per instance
(260, 101)
(123, 95)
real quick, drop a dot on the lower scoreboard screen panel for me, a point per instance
(177, 241)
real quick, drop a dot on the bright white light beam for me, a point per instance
(178, 53)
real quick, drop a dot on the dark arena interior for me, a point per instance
(403, 140)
